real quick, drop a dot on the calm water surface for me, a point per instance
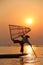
(29, 59)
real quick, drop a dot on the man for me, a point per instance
(24, 40)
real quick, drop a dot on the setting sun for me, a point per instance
(29, 21)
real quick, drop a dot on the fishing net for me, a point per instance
(17, 31)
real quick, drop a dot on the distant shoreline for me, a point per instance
(18, 45)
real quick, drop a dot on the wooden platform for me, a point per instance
(11, 55)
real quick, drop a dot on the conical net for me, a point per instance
(17, 31)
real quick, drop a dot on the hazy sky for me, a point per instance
(15, 12)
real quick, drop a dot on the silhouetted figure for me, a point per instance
(24, 40)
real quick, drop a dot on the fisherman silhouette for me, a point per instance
(21, 42)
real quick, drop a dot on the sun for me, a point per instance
(29, 21)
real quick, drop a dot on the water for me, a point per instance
(29, 59)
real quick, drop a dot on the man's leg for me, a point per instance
(22, 48)
(16, 41)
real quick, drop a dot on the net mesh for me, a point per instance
(16, 31)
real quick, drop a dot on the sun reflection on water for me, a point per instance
(29, 50)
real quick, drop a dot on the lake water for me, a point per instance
(29, 59)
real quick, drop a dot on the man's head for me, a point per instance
(27, 36)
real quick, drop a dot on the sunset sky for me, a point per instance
(17, 12)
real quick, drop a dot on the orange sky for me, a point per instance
(15, 12)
